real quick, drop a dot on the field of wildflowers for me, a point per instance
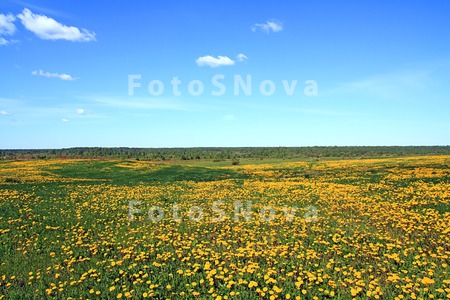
(344, 229)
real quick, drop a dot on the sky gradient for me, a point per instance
(382, 71)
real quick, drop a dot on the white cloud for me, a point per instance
(80, 111)
(229, 117)
(269, 26)
(53, 75)
(65, 120)
(241, 57)
(7, 26)
(4, 113)
(49, 29)
(3, 42)
(214, 62)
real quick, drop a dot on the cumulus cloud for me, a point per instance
(268, 26)
(49, 29)
(53, 75)
(4, 113)
(65, 120)
(80, 111)
(241, 57)
(214, 61)
(7, 26)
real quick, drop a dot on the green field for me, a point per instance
(319, 229)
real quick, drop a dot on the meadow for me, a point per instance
(379, 229)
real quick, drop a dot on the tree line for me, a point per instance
(224, 153)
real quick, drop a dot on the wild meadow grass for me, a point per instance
(381, 230)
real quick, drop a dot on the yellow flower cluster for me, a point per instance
(381, 231)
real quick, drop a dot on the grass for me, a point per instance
(132, 172)
(381, 230)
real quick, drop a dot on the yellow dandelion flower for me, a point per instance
(427, 280)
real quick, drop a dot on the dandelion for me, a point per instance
(427, 280)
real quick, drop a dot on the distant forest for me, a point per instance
(224, 153)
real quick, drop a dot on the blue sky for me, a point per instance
(382, 70)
